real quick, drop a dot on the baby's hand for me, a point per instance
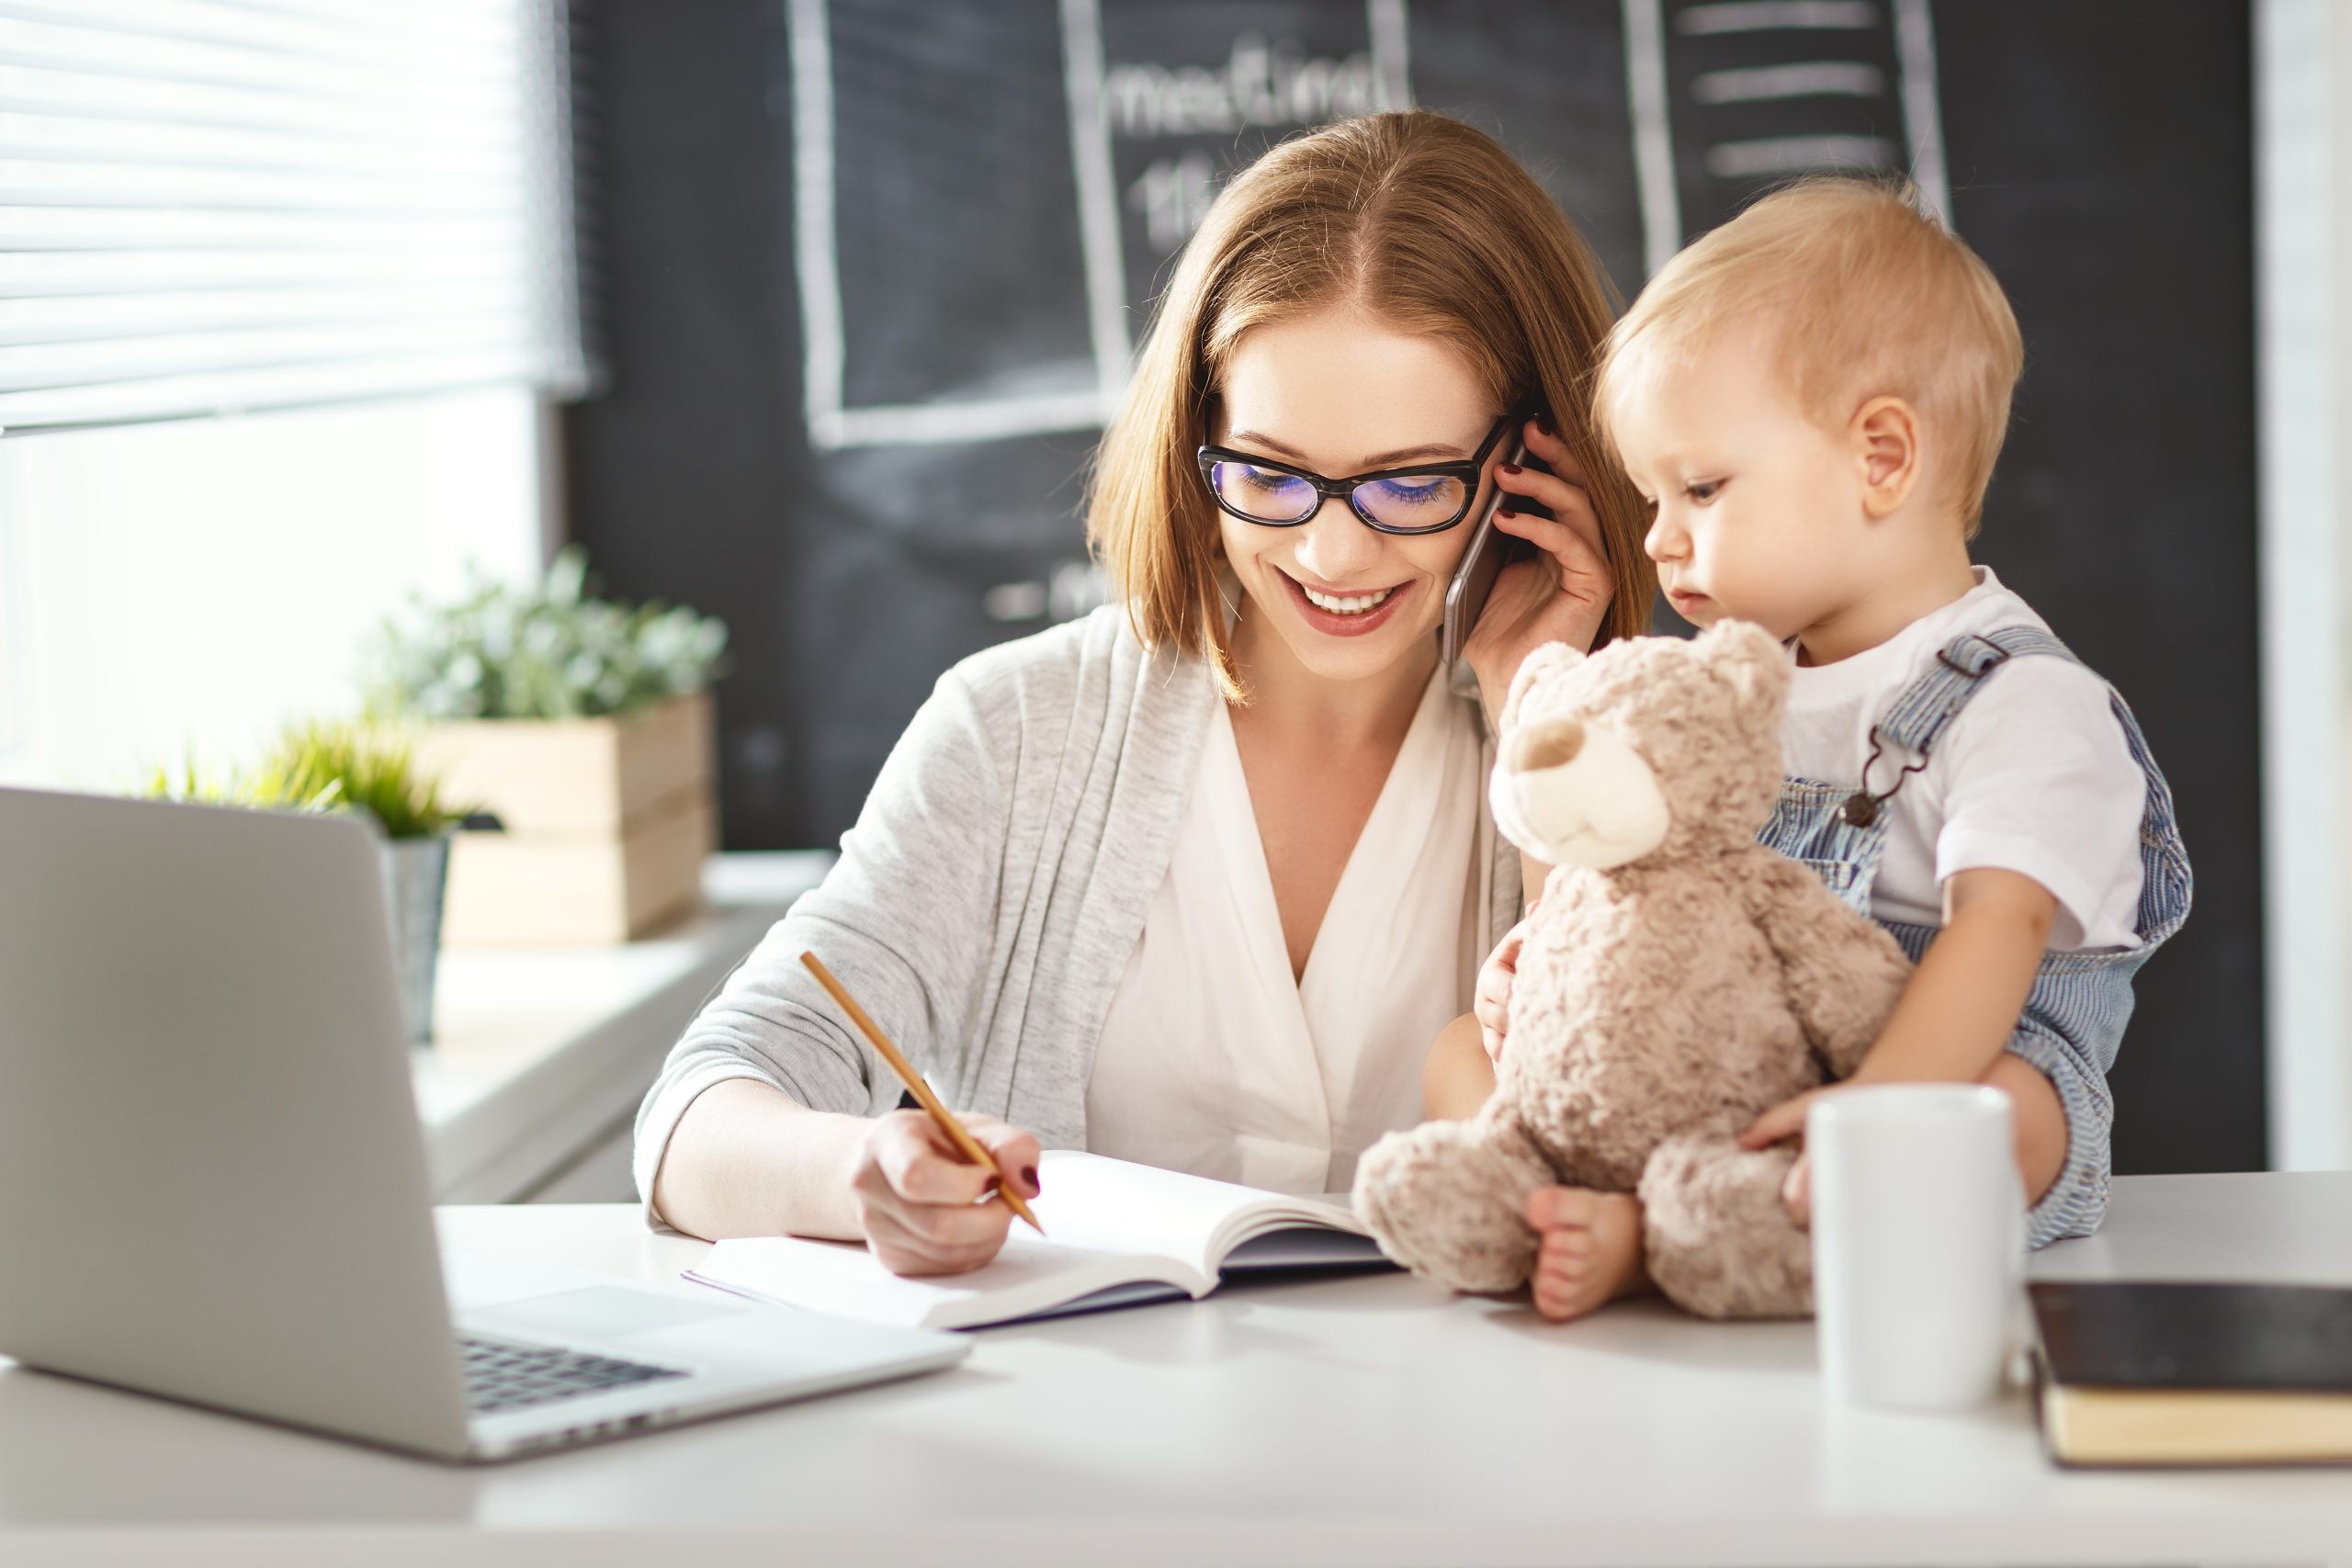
(1492, 1003)
(1796, 1193)
(1784, 1121)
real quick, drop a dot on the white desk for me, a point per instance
(1366, 1421)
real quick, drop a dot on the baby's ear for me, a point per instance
(1550, 659)
(1751, 660)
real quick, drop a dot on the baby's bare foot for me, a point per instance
(1591, 1250)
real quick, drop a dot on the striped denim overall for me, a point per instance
(2074, 1015)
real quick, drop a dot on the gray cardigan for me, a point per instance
(985, 906)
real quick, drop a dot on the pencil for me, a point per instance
(973, 1150)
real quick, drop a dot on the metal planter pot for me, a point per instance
(416, 871)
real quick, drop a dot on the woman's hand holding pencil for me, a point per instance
(919, 1200)
(920, 1186)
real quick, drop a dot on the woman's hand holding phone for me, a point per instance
(1559, 596)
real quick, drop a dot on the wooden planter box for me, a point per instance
(609, 822)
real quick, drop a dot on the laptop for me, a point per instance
(213, 1182)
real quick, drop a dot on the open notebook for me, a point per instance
(1116, 1233)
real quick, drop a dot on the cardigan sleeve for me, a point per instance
(902, 919)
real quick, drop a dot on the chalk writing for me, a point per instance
(1173, 195)
(1259, 84)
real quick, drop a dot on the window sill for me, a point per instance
(542, 1053)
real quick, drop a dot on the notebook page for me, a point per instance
(1028, 1276)
(1116, 1206)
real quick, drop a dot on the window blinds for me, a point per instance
(209, 205)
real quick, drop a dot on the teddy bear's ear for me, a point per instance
(1751, 660)
(1551, 658)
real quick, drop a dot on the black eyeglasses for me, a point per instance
(1427, 498)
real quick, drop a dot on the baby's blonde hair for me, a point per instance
(1864, 296)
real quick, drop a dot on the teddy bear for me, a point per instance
(1677, 980)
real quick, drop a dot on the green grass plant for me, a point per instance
(318, 765)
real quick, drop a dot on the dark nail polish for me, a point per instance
(1029, 1175)
(1505, 514)
(1512, 468)
(1543, 423)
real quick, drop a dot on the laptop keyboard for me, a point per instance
(501, 1375)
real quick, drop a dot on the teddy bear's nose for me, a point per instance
(1547, 745)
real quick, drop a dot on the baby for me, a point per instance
(1812, 397)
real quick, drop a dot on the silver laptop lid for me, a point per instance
(212, 1184)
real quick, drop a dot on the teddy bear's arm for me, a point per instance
(1843, 972)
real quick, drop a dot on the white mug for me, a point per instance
(1918, 1243)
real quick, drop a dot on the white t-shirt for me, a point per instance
(1213, 1059)
(2034, 776)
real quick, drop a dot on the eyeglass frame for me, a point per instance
(1470, 470)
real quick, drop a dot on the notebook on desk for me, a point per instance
(2194, 1374)
(1116, 1234)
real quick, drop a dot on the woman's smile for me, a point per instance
(1346, 615)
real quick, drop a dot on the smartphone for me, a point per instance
(1490, 550)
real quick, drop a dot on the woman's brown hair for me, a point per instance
(1430, 226)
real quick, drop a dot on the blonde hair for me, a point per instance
(1865, 296)
(1431, 227)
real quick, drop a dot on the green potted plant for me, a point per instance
(370, 769)
(584, 725)
(362, 768)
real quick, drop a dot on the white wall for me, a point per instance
(2304, 203)
(204, 580)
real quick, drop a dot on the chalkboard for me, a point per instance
(872, 271)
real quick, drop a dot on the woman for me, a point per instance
(1197, 879)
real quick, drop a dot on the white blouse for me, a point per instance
(1213, 1060)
